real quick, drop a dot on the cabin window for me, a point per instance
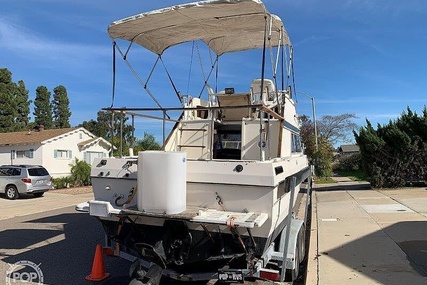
(296, 143)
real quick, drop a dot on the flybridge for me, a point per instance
(225, 26)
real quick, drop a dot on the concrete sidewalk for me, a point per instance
(363, 236)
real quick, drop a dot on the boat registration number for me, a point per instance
(230, 276)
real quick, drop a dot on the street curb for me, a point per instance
(312, 262)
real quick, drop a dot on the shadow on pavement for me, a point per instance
(375, 255)
(344, 186)
(24, 238)
(68, 257)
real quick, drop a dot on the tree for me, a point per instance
(147, 143)
(22, 106)
(99, 127)
(61, 110)
(91, 126)
(5, 76)
(308, 136)
(331, 129)
(102, 127)
(43, 108)
(323, 159)
(336, 128)
(113, 128)
(396, 153)
(7, 101)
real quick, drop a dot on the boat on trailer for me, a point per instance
(217, 201)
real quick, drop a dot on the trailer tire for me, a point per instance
(292, 274)
(302, 244)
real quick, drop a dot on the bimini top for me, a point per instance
(224, 25)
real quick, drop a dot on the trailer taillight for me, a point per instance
(108, 251)
(269, 274)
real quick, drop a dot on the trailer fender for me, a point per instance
(296, 245)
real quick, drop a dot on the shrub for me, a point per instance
(351, 162)
(80, 173)
(62, 182)
(395, 154)
(323, 159)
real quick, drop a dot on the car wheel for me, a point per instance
(12, 192)
(39, 194)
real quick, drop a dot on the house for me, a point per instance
(348, 149)
(55, 149)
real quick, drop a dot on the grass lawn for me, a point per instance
(356, 175)
(324, 180)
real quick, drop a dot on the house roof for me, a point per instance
(31, 137)
(92, 141)
(349, 148)
(83, 143)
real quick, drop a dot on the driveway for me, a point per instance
(48, 232)
(54, 199)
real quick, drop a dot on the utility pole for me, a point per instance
(313, 108)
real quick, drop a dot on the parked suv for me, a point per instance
(19, 179)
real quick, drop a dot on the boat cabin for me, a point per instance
(228, 126)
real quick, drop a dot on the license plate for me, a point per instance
(42, 181)
(230, 276)
(98, 209)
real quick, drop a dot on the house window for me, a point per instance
(22, 154)
(29, 153)
(89, 156)
(62, 153)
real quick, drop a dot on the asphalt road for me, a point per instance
(48, 232)
(61, 241)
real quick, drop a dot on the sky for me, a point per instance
(363, 57)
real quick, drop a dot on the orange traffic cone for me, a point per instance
(98, 272)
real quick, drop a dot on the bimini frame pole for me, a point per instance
(261, 157)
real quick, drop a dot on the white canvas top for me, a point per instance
(224, 25)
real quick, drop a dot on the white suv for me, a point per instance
(19, 179)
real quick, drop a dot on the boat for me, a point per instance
(217, 201)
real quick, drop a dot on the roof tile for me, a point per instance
(31, 137)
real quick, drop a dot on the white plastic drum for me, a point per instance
(162, 182)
